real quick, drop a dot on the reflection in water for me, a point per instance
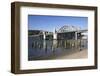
(48, 49)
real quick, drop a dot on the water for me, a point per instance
(49, 49)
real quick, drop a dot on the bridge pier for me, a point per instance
(44, 36)
(75, 35)
(54, 35)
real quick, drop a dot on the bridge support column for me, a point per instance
(54, 35)
(75, 35)
(44, 36)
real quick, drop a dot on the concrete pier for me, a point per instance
(44, 36)
(54, 35)
(75, 35)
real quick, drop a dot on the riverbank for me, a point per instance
(75, 55)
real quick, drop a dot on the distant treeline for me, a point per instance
(33, 32)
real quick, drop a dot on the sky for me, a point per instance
(50, 23)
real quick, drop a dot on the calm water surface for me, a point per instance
(48, 49)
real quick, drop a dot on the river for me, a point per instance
(51, 49)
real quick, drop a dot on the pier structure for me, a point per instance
(65, 32)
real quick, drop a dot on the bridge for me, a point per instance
(62, 30)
